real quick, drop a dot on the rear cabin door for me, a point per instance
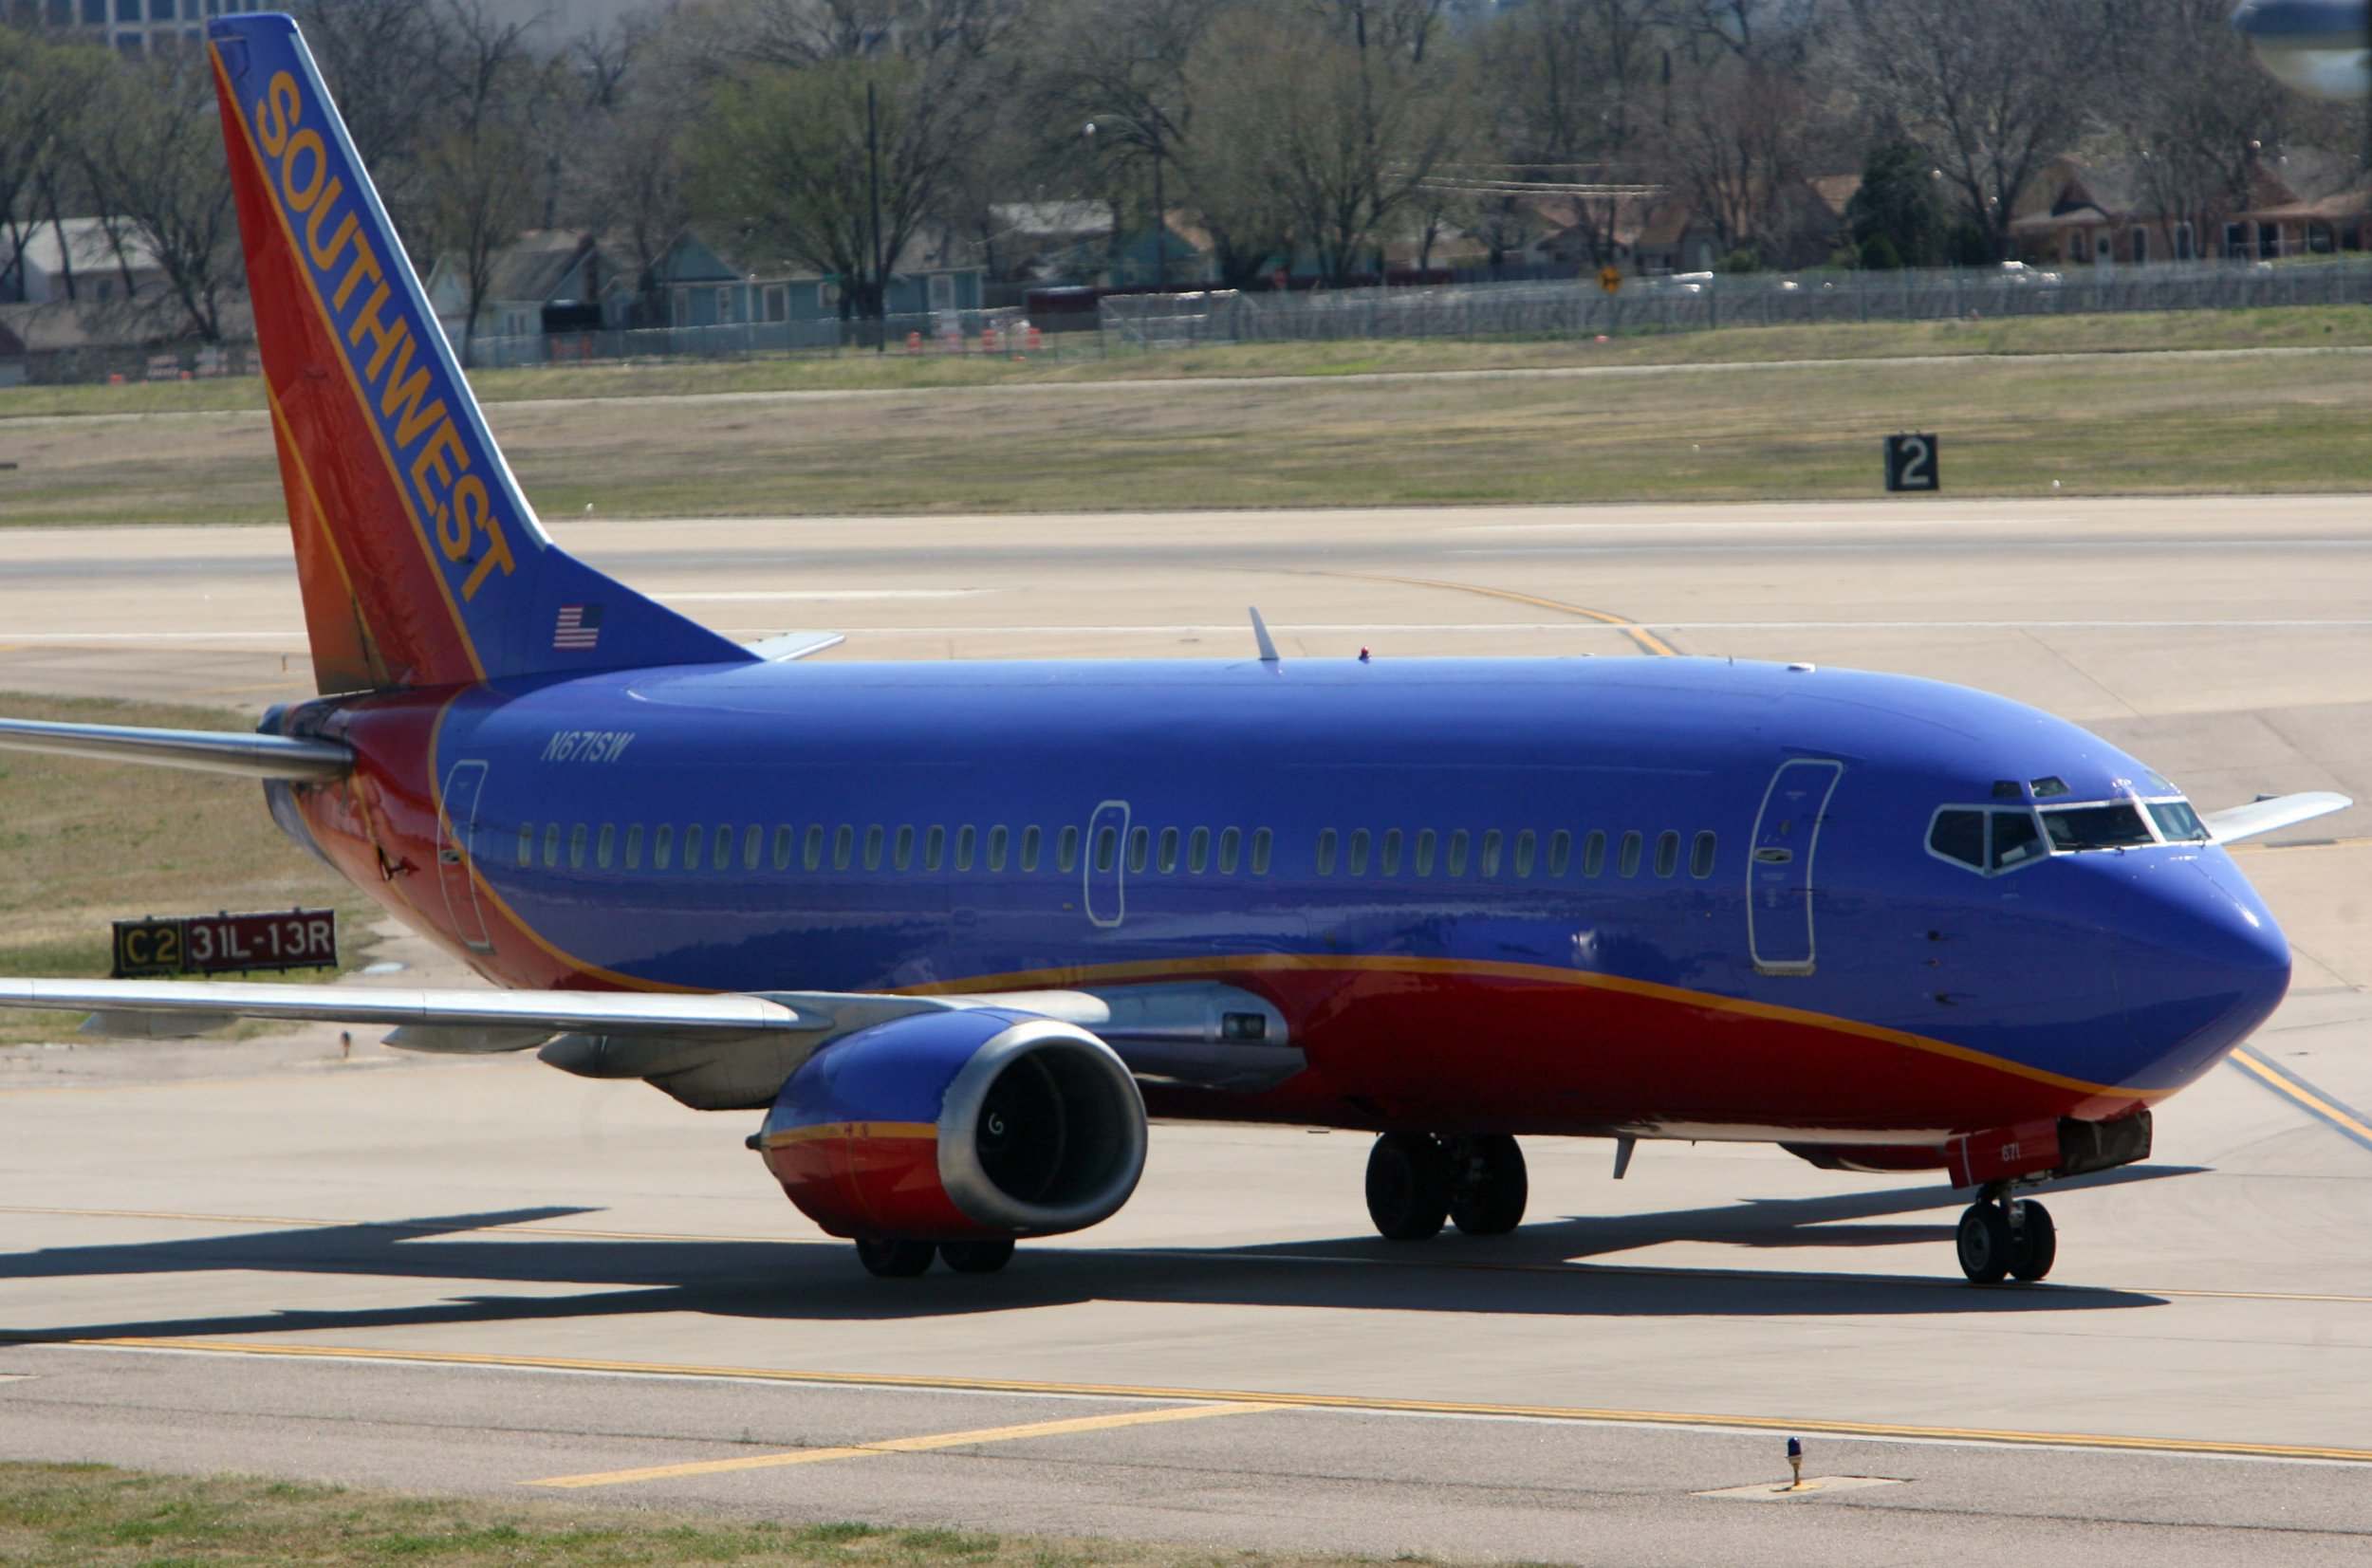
(1106, 864)
(1779, 872)
(457, 850)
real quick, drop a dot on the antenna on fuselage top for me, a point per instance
(1260, 634)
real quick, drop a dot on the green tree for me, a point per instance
(1897, 217)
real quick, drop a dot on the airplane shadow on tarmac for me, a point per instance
(1532, 1271)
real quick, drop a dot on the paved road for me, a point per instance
(481, 1276)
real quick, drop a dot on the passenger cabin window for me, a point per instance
(576, 847)
(552, 844)
(1359, 851)
(1168, 861)
(752, 839)
(1560, 852)
(1391, 852)
(902, 855)
(934, 848)
(1263, 844)
(1525, 843)
(843, 844)
(1231, 849)
(1701, 856)
(663, 847)
(634, 847)
(997, 841)
(695, 837)
(1199, 851)
(1491, 853)
(1628, 864)
(1457, 853)
(784, 837)
(1140, 842)
(526, 844)
(811, 852)
(1066, 851)
(605, 848)
(873, 837)
(1424, 851)
(1326, 852)
(1029, 849)
(1667, 853)
(1594, 853)
(967, 840)
(1108, 848)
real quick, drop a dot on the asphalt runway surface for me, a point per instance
(487, 1277)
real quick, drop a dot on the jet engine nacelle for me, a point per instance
(951, 1125)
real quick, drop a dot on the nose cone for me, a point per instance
(2199, 962)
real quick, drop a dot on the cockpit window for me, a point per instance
(1958, 836)
(2118, 825)
(2016, 840)
(2002, 839)
(2177, 822)
(2049, 786)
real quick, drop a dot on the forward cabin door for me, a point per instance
(1106, 859)
(456, 850)
(1779, 872)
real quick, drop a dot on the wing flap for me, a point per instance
(2271, 814)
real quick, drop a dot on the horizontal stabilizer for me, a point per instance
(2272, 814)
(203, 750)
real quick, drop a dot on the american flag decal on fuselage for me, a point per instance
(578, 627)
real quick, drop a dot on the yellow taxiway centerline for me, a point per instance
(907, 1445)
(1212, 1399)
(2297, 1093)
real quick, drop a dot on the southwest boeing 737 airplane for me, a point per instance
(956, 929)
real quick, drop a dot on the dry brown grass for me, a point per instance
(84, 843)
(90, 1516)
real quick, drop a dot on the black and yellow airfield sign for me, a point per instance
(226, 943)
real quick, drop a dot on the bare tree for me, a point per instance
(150, 142)
(1991, 88)
(837, 125)
(387, 63)
(42, 86)
(481, 193)
(1734, 143)
(2190, 109)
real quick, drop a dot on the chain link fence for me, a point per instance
(937, 332)
(1701, 301)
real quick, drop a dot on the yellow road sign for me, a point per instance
(1609, 280)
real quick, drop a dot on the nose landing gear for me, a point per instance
(2003, 1236)
(1418, 1181)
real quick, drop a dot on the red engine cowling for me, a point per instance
(948, 1125)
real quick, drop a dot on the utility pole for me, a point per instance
(873, 178)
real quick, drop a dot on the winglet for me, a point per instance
(1260, 633)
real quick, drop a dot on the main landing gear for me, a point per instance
(901, 1259)
(1417, 1181)
(2003, 1236)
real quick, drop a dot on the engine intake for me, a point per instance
(941, 1126)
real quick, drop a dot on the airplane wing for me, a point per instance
(792, 645)
(712, 1051)
(2271, 814)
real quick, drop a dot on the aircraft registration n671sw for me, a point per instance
(954, 927)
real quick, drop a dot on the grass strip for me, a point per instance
(1080, 357)
(93, 1516)
(84, 843)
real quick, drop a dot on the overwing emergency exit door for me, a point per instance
(1106, 864)
(1779, 872)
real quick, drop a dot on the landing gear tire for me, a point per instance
(1985, 1242)
(1488, 1186)
(1408, 1186)
(894, 1259)
(981, 1257)
(2033, 1241)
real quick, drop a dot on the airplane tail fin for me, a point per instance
(420, 560)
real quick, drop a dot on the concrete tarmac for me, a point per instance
(483, 1275)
